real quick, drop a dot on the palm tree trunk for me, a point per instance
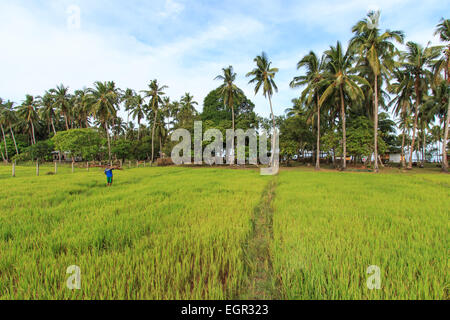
(375, 124)
(109, 142)
(32, 130)
(153, 136)
(416, 117)
(139, 128)
(4, 140)
(318, 133)
(67, 121)
(14, 140)
(344, 131)
(424, 145)
(234, 136)
(272, 157)
(3, 156)
(53, 126)
(444, 143)
(403, 160)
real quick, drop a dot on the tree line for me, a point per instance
(336, 115)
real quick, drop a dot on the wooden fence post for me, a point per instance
(56, 167)
(87, 166)
(73, 167)
(129, 164)
(37, 168)
(14, 169)
(137, 164)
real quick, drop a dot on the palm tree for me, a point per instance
(417, 61)
(82, 107)
(28, 113)
(338, 77)
(263, 76)
(104, 99)
(47, 110)
(403, 88)
(443, 29)
(314, 67)
(155, 94)
(379, 51)
(230, 94)
(61, 98)
(136, 109)
(9, 118)
(2, 121)
(128, 98)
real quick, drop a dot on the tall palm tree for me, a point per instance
(403, 88)
(418, 60)
(2, 122)
(28, 113)
(339, 78)
(128, 98)
(136, 107)
(378, 50)
(443, 64)
(104, 99)
(230, 94)
(155, 94)
(82, 107)
(47, 110)
(61, 98)
(9, 118)
(264, 76)
(314, 67)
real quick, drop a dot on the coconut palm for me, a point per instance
(47, 110)
(378, 49)
(137, 110)
(128, 98)
(27, 112)
(82, 107)
(264, 76)
(443, 64)
(339, 78)
(314, 67)
(418, 60)
(403, 88)
(9, 119)
(3, 122)
(61, 99)
(104, 99)
(155, 94)
(230, 94)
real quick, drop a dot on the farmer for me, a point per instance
(109, 174)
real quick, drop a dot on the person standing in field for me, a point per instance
(109, 175)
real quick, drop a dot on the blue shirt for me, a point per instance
(109, 173)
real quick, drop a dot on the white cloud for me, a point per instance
(172, 8)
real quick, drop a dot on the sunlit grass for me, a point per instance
(156, 234)
(330, 227)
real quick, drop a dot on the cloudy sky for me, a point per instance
(184, 44)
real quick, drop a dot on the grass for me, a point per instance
(330, 227)
(156, 234)
(210, 233)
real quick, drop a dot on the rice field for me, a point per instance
(183, 233)
(330, 227)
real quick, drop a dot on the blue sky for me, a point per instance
(184, 44)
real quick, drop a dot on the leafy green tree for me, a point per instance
(84, 143)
